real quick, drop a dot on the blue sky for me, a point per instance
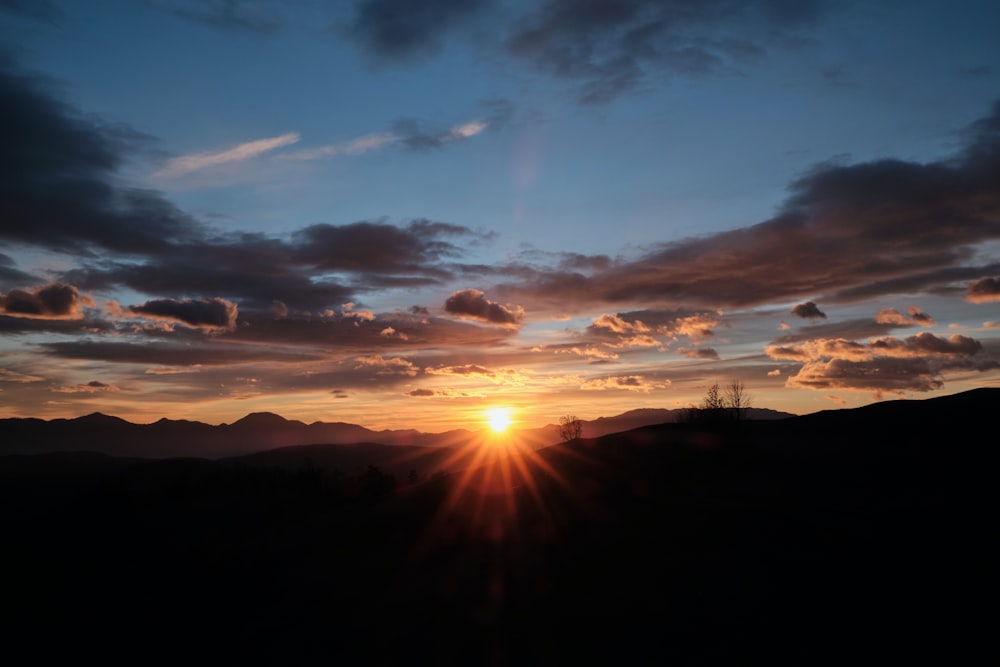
(399, 213)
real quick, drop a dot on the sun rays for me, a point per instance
(506, 488)
(498, 419)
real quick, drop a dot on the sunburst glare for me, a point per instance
(499, 419)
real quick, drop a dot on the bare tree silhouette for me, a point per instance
(737, 400)
(721, 405)
(570, 428)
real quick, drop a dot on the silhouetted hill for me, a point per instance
(100, 420)
(650, 416)
(954, 411)
(265, 430)
(396, 460)
(168, 438)
(846, 536)
(266, 420)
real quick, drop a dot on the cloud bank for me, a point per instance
(847, 233)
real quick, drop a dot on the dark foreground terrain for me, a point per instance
(845, 537)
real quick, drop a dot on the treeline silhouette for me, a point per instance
(845, 536)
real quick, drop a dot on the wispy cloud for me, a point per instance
(467, 130)
(20, 378)
(357, 146)
(411, 133)
(407, 133)
(185, 164)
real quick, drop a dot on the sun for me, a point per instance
(498, 419)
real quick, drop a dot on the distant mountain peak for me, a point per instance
(100, 418)
(261, 419)
(639, 412)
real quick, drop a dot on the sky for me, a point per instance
(400, 214)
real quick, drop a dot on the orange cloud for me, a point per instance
(20, 378)
(503, 376)
(915, 317)
(882, 364)
(620, 326)
(391, 366)
(92, 387)
(635, 383)
(55, 301)
(986, 290)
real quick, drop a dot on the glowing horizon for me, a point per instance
(553, 228)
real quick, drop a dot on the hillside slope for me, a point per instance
(811, 540)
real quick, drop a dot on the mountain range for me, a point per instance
(261, 431)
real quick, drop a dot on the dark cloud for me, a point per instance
(881, 325)
(343, 332)
(73, 326)
(473, 303)
(982, 150)
(58, 192)
(986, 290)
(699, 353)
(225, 15)
(252, 271)
(279, 309)
(400, 29)
(53, 301)
(614, 46)
(174, 354)
(56, 184)
(936, 281)
(808, 310)
(378, 247)
(845, 232)
(606, 47)
(211, 314)
(256, 271)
